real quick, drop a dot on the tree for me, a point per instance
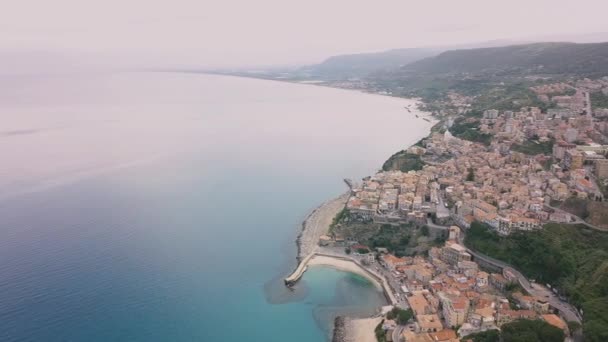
(484, 336)
(425, 230)
(471, 175)
(573, 326)
(400, 315)
(347, 250)
(525, 330)
(380, 333)
(404, 316)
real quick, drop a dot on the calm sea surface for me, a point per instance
(163, 207)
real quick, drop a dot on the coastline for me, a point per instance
(413, 109)
(345, 329)
(343, 265)
(317, 223)
(355, 329)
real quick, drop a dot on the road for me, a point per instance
(397, 333)
(567, 311)
(577, 220)
(394, 284)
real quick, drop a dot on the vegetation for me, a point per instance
(531, 330)
(469, 130)
(404, 162)
(593, 212)
(573, 259)
(537, 58)
(511, 96)
(380, 334)
(573, 326)
(534, 147)
(599, 100)
(395, 238)
(360, 65)
(484, 336)
(344, 213)
(400, 315)
(471, 175)
(520, 331)
(574, 206)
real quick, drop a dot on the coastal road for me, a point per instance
(397, 333)
(387, 280)
(567, 311)
(577, 220)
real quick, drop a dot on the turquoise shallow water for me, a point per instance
(163, 207)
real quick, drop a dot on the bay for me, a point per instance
(164, 206)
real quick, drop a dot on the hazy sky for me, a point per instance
(249, 32)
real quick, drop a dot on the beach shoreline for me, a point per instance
(343, 265)
(317, 224)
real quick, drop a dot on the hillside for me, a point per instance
(360, 65)
(537, 58)
(572, 258)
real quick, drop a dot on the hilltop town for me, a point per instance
(534, 158)
(495, 225)
(509, 171)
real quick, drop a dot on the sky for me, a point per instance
(274, 32)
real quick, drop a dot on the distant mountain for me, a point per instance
(360, 65)
(363, 64)
(537, 58)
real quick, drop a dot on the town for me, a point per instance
(513, 182)
(495, 184)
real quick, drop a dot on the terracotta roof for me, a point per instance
(444, 335)
(555, 321)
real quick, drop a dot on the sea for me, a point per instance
(164, 206)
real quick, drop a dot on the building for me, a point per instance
(555, 321)
(446, 335)
(490, 114)
(601, 168)
(560, 148)
(481, 280)
(454, 233)
(571, 135)
(453, 253)
(455, 310)
(508, 316)
(419, 305)
(573, 159)
(429, 323)
(540, 306)
(506, 225)
(392, 262)
(498, 281)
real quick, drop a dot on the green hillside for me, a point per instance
(538, 58)
(362, 64)
(573, 258)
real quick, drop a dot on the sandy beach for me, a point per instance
(343, 265)
(361, 330)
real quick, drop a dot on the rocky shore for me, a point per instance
(340, 332)
(316, 224)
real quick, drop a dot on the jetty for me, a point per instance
(362, 270)
(298, 272)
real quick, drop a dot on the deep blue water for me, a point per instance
(159, 207)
